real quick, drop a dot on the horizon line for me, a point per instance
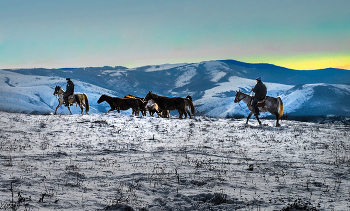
(346, 67)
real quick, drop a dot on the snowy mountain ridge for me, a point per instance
(212, 84)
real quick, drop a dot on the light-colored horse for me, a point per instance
(152, 108)
(272, 105)
(79, 98)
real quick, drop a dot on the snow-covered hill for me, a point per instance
(212, 85)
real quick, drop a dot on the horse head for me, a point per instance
(149, 96)
(238, 93)
(57, 89)
(101, 99)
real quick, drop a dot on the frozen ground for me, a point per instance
(117, 161)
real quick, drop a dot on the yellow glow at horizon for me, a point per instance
(308, 62)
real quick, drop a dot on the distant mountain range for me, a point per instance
(212, 85)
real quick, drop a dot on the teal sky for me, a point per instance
(300, 34)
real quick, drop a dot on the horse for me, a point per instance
(78, 98)
(142, 108)
(123, 104)
(152, 108)
(166, 104)
(271, 104)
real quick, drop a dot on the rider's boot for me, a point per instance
(257, 113)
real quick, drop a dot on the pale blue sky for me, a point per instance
(47, 33)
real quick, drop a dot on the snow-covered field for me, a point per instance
(118, 161)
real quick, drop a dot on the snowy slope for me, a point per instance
(34, 94)
(102, 162)
(212, 84)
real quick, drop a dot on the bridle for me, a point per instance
(57, 93)
(239, 100)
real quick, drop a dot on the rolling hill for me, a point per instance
(212, 84)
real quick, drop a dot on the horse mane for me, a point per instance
(134, 97)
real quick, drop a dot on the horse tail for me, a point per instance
(280, 107)
(192, 107)
(86, 102)
(189, 97)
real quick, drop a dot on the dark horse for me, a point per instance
(79, 98)
(118, 104)
(172, 103)
(272, 105)
(142, 108)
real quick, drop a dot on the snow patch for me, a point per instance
(164, 67)
(185, 78)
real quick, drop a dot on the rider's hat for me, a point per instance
(68, 79)
(258, 79)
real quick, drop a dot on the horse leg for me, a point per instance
(57, 108)
(277, 119)
(186, 112)
(82, 105)
(257, 118)
(166, 114)
(250, 114)
(189, 114)
(69, 109)
(180, 114)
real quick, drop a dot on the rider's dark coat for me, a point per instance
(260, 90)
(70, 87)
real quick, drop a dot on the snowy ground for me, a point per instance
(116, 161)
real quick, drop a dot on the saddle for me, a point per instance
(261, 103)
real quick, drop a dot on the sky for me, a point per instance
(297, 34)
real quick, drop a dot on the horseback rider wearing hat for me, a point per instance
(260, 94)
(69, 91)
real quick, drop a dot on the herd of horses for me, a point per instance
(162, 105)
(152, 103)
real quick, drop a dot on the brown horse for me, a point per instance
(123, 104)
(171, 103)
(79, 98)
(142, 108)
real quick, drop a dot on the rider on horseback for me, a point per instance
(69, 91)
(260, 94)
